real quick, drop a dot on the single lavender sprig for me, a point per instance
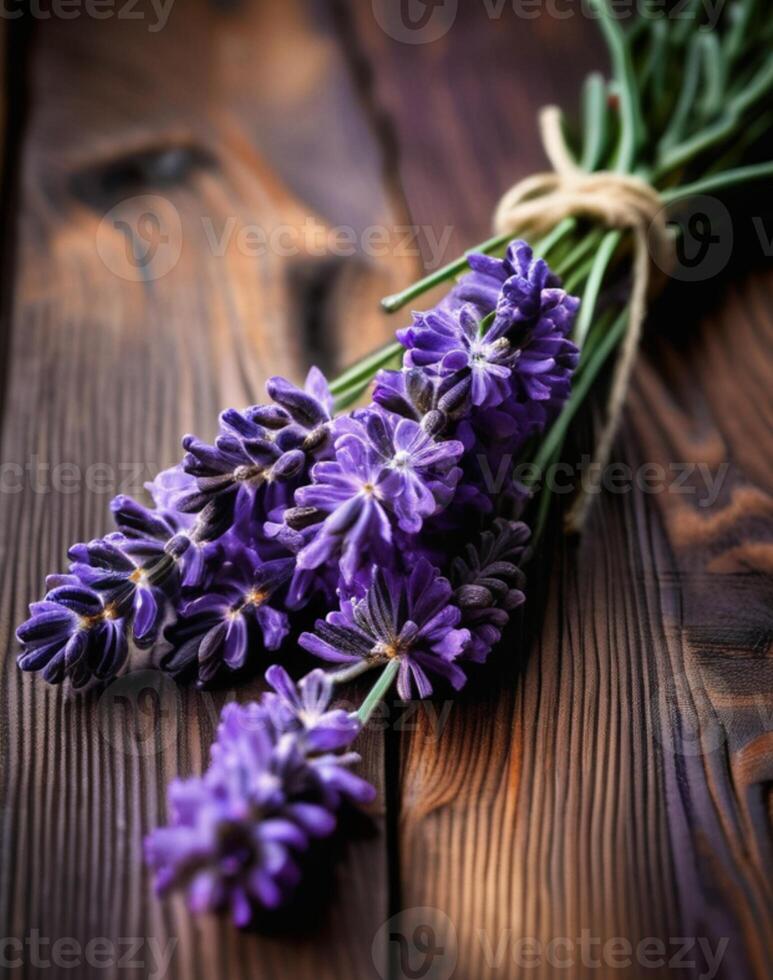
(275, 783)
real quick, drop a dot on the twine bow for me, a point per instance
(616, 200)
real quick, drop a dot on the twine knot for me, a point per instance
(539, 203)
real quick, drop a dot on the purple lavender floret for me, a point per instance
(259, 456)
(488, 584)
(410, 393)
(386, 471)
(411, 618)
(218, 630)
(167, 488)
(426, 467)
(173, 529)
(414, 393)
(237, 833)
(135, 577)
(457, 346)
(305, 708)
(351, 497)
(72, 634)
(306, 583)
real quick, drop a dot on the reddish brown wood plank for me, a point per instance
(611, 771)
(245, 116)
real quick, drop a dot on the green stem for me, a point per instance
(594, 110)
(584, 247)
(684, 106)
(543, 505)
(584, 380)
(721, 181)
(365, 369)
(631, 124)
(593, 288)
(397, 300)
(549, 242)
(378, 691)
(722, 129)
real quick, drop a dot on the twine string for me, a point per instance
(538, 203)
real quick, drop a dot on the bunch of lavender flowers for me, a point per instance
(386, 512)
(295, 510)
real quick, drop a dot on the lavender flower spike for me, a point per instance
(72, 634)
(412, 619)
(489, 584)
(236, 834)
(456, 345)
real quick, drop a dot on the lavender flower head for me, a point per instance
(503, 333)
(257, 455)
(236, 834)
(220, 628)
(386, 471)
(72, 634)
(411, 619)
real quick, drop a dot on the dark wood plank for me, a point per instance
(611, 770)
(247, 115)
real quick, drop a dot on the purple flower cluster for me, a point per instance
(198, 577)
(382, 515)
(291, 505)
(275, 782)
(494, 358)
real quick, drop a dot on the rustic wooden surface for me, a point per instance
(611, 771)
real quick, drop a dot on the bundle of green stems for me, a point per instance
(686, 109)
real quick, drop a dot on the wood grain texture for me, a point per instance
(226, 118)
(611, 772)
